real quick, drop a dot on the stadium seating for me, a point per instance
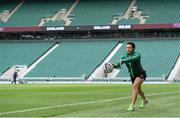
(76, 59)
(73, 59)
(158, 56)
(98, 12)
(160, 11)
(8, 4)
(20, 53)
(55, 23)
(31, 12)
(89, 12)
(1, 24)
(128, 21)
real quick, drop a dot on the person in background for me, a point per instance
(15, 75)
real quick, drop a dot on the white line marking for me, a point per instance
(82, 103)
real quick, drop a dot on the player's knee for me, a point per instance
(135, 87)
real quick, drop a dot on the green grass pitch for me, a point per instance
(86, 100)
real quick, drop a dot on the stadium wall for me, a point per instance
(89, 32)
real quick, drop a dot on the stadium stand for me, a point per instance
(157, 56)
(98, 12)
(1, 24)
(8, 4)
(31, 12)
(128, 21)
(160, 11)
(73, 59)
(20, 53)
(55, 23)
(89, 12)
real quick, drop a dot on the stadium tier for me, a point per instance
(8, 4)
(160, 11)
(20, 53)
(2, 24)
(73, 59)
(128, 21)
(97, 12)
(54, 23)
(31, 12)
(89, 12)
(157, 56)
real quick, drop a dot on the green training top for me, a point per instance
(133, 63)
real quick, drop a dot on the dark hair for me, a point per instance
(132, 44)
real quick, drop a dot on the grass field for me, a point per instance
(86, 100)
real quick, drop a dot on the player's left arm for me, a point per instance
(116, 65)
(134, 57)
(119, 63)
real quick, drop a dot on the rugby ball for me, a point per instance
(108, 67)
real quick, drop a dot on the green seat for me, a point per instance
(20, 53)
(128, 21)
(73, 59)
(31, 12)
(55, 23)
(98, 12)
(160, 11)
(1, 24)
(8, 4)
